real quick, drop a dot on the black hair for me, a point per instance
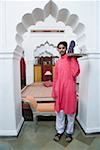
(63, 43)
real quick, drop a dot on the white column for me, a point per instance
(3, 41)
(89, 93)
(98, 25)
(89, 86)
(29, 72)
(11, 118)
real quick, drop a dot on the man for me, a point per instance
(64, 92)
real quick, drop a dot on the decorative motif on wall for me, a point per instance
(46, 49)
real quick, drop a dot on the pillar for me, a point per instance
(11, 118)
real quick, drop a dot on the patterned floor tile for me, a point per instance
(28, 139)
(76, 145)
(95, 144)
(85, 139)
(5, 146)
(63, 141)
(52, 145)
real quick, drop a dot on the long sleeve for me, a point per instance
(75, 68)
(54, 81)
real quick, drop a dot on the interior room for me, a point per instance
(30, 31)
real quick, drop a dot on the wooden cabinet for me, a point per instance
(37, 73)
(42, 66)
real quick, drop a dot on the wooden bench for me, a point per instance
(44, 109)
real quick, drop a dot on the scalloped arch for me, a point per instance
(72, 20)
(63, 15)
(38, 14)
(28, 20)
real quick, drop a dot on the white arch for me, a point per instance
(27, 20)
(38, 15)
(62, 15)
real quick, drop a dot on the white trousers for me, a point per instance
(60, 122)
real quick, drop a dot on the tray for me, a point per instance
(76, 55)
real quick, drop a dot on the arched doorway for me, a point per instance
(49, 24)
(66, 27)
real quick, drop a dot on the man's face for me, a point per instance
(62, 49)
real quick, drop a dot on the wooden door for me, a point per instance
(37, 73)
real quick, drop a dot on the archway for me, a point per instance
(62, 15)
(63, 21)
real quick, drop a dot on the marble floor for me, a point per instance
(42, 139)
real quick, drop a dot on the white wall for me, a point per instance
(98, 26)
(13, 12)
(3, 33)
(86, 10)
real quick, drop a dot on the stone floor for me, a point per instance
(42, 139)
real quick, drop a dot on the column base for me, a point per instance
(12, 132)
(87, 130)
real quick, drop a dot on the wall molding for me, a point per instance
(13, 132)
(11, 55)
(95, 55)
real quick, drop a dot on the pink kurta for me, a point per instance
(64, 85)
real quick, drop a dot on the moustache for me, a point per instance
(62, 52)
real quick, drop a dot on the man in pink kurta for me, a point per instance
(64, 90)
